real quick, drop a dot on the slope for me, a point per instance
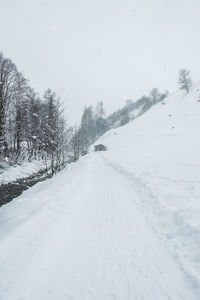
(161, 150)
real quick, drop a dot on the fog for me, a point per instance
(101, 50)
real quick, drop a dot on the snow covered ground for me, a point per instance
(16, 172)
(122, 224)
(161, 152)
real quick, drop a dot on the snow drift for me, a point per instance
(161, 149)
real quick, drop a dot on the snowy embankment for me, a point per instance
(25, 169)
(123, 224)
(160, 153)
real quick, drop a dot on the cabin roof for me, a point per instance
(99, 145)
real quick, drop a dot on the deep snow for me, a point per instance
(161, 151)
(25, 169)
(123, 224)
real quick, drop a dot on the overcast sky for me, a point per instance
(109, 50)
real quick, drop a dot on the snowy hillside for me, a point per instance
(122, 224)
(161, 152)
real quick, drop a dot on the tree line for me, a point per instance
(31, 126)
(94, 122)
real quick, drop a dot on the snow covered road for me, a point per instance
(86, 239)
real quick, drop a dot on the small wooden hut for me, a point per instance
(100, 147)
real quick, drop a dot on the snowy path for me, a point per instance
(92, 243)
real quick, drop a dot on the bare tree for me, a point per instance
(30, 127)
(76, 143)
(7, 88)
(185, 80)
(19, 94)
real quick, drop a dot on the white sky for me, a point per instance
(109, 50)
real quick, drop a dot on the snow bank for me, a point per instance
(26, 169)
(161, 149)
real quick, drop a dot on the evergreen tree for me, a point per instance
(87, 129)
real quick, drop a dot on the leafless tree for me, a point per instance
(185, 80)
(8, 73)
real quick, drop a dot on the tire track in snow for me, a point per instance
(153, 211)
(101, 248)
